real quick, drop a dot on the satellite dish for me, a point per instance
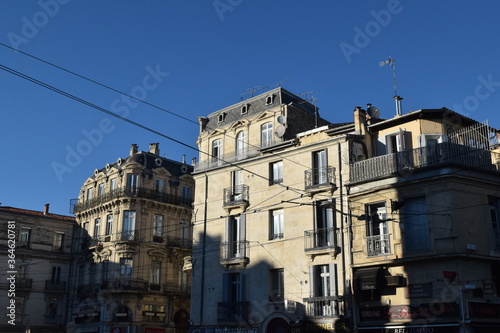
(373, 112)
(281, 120)
(280, 131)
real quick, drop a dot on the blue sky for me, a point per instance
(195, 57)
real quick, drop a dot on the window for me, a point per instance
(97, 228)
(244, 109)
(217, 149)
(160, 185)
(276, 171)
(128, 229)
(269, 99)
(241, 145)
(415, 224)
(156, 272)
(25, 237)
(186, 192)
(105, 271)
(494, 205)
(277, 225)
(323, 280)
(183, 279)
(21, 270)
(109, 224)
(237, 185)
(90, 193)
(235, 236)
(92, 273)
(324, 224)
(277, 286)
(126, 268)
(100, 189)
(58, 243)
(396, 142)
(132, 182)
(266, 131)
(158, 223)
(320, 168)
(232, 289)
(56, 275)
(377, 231)
(221, 117)
(113, 184)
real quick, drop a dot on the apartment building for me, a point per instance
(36, 268)
(135, 231)
(269, 219)
(424, 200)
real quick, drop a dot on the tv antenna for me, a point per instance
(313, 100)
(397, 98)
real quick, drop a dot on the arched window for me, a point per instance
(266, 134)
(241, 145)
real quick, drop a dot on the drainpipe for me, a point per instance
(204, 239)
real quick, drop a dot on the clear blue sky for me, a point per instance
(204, 55)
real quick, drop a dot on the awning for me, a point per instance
(368, 278)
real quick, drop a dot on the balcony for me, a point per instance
(227, 159)
(87, 290)
(236, 196)
(179, 242)
(379, 245)
(132, 193)
(324, 306)
(171, 288)
(25, 284)
(405, 162)
(232, 311)
(127, 236)
(320, 241)
(235, 253)
(125, 285)
(319, 179)
(59, 286)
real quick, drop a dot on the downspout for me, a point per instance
(204, 238)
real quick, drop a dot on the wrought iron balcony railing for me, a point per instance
(125, 284)
(319, 177)
(236, 195)
(176, 289)
(320, 238)
(232, 311)
(379, 245)
(405, 162)
(132, 192)
(25, 283)
(179, 242)
(234, 252)
(324, 306)
(227, 159)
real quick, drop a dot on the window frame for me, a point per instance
(276, 285)
(276, 224)
(276, 172)
(266, 134)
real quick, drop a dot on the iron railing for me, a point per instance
(176, 289)
(404, 162)
(179, 242)
(319, 177)
(25, 283)
(320, 238)
(132, 192)
(232, 311)
(324, 306)
(379, 245)
(125, 284)
(226, 159)
(237, 250)
(236, 195)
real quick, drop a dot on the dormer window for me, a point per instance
(221, 117)
(244, 108)
(269, 99)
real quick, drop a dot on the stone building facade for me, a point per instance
(135, 231)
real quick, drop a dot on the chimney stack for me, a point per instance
(46, 209)
(133, 149)
(154, 148)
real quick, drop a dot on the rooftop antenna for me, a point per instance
(313, 100)
(252, 91)
(397, 98)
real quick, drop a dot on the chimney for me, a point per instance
(359, 120)
(46, 209)
(184, 158)
(133, 149)
(193, 161)
(154, 148)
